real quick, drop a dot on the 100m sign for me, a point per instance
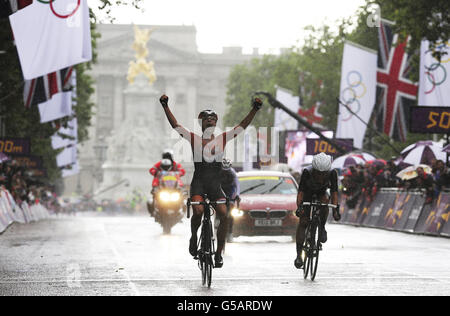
(316, 145)
(9, 147)
(321, 146)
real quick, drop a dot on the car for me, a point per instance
(267, 206)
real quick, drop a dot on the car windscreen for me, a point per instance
(267, 185)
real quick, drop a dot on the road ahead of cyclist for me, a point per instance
(99, 255)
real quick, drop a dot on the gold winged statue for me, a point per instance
(141, 65)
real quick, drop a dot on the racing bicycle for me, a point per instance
(206, 247)
(312, 246)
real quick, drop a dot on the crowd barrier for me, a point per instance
(11, 212)
(399, 210)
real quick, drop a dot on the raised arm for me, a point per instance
(164, 100)
(173, 121)
(256, 105)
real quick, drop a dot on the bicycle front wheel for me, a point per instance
(305, 252)
(206, 257)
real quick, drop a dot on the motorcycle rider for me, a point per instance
(168, 164)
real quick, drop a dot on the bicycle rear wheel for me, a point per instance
(314, 251)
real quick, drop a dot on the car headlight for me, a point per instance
(175, 196)
(236, 212)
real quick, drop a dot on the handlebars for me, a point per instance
(320, 204)
(206, 202)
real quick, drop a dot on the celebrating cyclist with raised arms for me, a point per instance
(208, 152)
(315, 181)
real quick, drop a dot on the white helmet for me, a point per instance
(322, 162)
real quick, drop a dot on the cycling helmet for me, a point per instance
(322, 162)
(205, 113)
(167, 154)
(226, 163)
(166, 164)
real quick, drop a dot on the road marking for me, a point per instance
(119, 261)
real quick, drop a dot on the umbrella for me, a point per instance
(364, 155)
(347, 161)
(423, 152)
(411, 173)
(377, 162)
(3, 158)
(446, 149)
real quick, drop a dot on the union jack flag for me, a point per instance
(395, 93)
(41, 89)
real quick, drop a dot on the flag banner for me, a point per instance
(42, 89)
(282, 120)
(357, 92)
(67, 157)
(312, 115)
(434, 84)
(59, 141)
(395, 92)
(71, 170)
(52, 35)
(57, 107)
(15, 146)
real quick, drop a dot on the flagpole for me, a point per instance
(277, 104)
(370, 128)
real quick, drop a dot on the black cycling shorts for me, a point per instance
(208, 184)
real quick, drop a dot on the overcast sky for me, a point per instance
(266, 24)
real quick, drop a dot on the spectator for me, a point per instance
(424, 181)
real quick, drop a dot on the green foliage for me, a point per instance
(420, 19)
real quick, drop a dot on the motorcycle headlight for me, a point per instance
(236, 212)
(164, 196)
(175, 196)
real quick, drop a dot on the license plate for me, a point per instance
(268, 222)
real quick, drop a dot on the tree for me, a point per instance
(420, 19)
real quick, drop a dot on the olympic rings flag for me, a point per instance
(358, 92)
(434, 86)
(51, 35)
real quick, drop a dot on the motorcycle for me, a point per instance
(169, 206)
